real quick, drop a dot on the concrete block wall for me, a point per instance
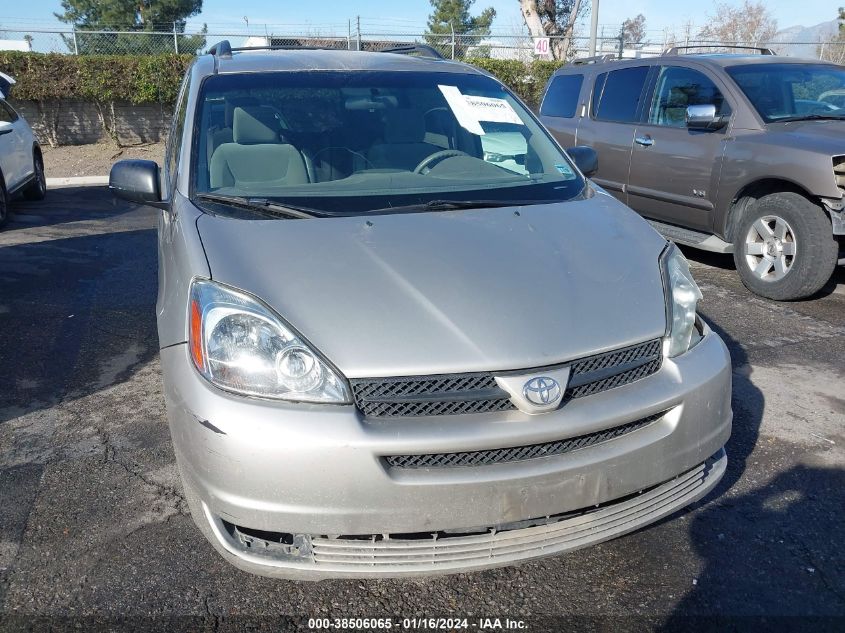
(80, 122)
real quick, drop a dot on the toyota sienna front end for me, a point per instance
(388, 351)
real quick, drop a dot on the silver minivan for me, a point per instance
(393, 347)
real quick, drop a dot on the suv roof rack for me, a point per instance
(426, 50)
(597, 59)
(762, 50)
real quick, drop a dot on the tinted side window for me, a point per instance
(562, 96)
(679, 87)
(7, 115)
(618, 94)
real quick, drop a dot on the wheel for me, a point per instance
(37, 189)
(4, 203)
(784, 248)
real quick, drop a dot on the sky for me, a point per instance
(405, 15)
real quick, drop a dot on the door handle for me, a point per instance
(645, 141)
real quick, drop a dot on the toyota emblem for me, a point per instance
(542, 391)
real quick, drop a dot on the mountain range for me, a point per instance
(803, 41)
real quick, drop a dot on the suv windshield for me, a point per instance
(353, 142)
(789, 92)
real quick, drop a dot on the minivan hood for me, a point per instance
(454, 291)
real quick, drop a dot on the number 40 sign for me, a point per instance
(542, 48)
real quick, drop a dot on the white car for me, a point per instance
(21, 164)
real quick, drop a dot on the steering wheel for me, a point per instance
(426, 163)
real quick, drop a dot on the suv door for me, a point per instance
(559, 110)
(674, 173)
(14, 156)
(614, 111)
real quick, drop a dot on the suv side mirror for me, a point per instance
(585, 159)
(704, 117)
(136, 181)
(6, 128)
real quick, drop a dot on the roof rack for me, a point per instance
(762, 50)
(224, 49)
(221, 49)
(410, 49)
(597, 59)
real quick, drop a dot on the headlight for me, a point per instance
(682, 297)
(240, 345)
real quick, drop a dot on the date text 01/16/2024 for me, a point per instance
(432, 624)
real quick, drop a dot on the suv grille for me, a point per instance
(839, 171)
(516, 453)
(453, 394)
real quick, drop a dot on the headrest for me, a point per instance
(255, 124)
(403, 126)
(237, 102)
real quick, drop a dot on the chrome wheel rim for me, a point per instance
(770, 248)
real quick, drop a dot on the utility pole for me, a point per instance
(358, 27)
(621, 42)
(594, 26)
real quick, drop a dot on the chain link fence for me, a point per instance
(453, 46)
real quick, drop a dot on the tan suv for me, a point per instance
(741, 154)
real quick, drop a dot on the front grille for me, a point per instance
(454, 394)
(839, 171)
(613, 369)
(446, 394)
(517, 453)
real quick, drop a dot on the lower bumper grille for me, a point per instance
(437, 552)
(454, 394)
(516, 453)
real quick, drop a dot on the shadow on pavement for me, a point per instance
(65, 204)
(772, 552)
(76, 313)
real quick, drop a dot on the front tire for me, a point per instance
(784, 248)
(37, 189)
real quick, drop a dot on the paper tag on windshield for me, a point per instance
(470, 110)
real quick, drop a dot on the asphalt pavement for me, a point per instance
(94, 528)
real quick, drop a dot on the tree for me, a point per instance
(450, 16)
(552, 18)
(833, 48)
(750, 24)
(130, 15)
(633, 31)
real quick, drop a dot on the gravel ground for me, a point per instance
(95, 159)
(94, 526)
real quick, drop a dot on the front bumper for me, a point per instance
(316, 473)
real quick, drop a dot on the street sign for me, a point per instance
(542, 47)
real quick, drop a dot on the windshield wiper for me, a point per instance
(810, 117)
(265, 206)
(452, 205)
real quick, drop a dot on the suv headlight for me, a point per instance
(241, 345)
(682, 297)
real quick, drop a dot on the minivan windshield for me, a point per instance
(793, 92)
(344, 142)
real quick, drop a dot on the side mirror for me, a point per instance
(704, 117)
(6, 128)
(585, 159)
(136, 181)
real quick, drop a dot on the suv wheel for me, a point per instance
(784, 248)
(37, 189)
(4, 203)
